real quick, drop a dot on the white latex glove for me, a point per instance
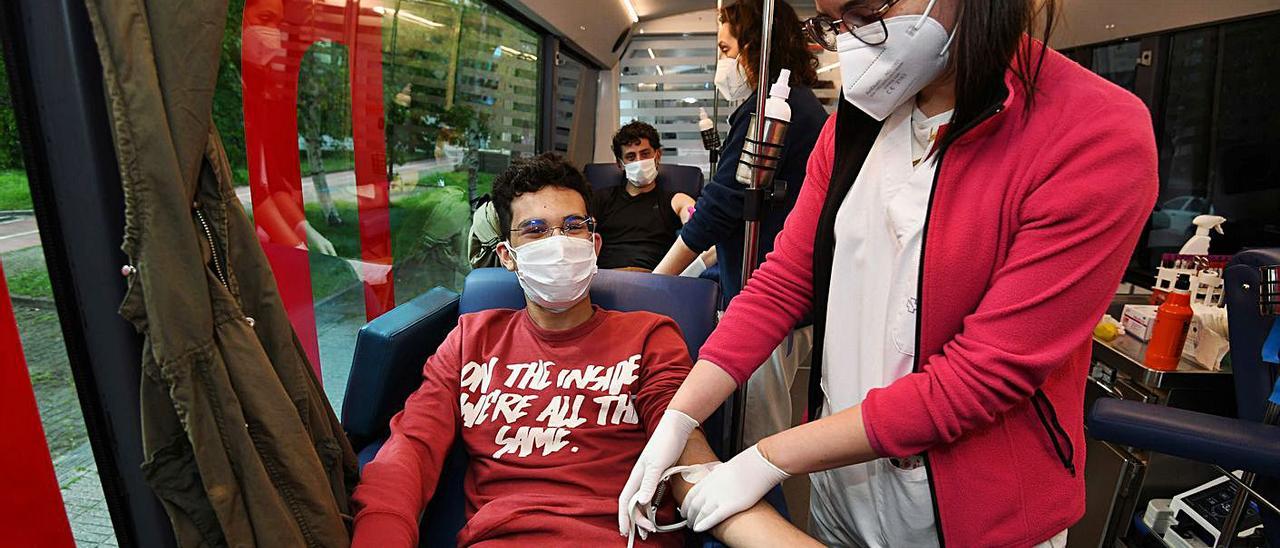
(317, 242)
(730, 488)
(691, 474)
(695, 268)
(662, 450)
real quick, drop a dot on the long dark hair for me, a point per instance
(790, 48)
(989, 40)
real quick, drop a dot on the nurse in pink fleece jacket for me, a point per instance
(965, 219)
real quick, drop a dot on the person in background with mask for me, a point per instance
(967, 219)
(552, 403)
(719, 221)
(638, 220)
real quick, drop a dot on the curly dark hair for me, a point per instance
(531, 175)
(790, 48)
(631, 134)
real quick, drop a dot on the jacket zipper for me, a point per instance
(915, 366)
(213, 247)
(1066, 451)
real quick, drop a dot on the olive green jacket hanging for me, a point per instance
(239, 441)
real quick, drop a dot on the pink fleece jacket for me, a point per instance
(1033, 219)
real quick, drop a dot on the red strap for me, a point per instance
(270, 78)
(31, 510)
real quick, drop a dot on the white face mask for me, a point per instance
(262, 44)
(731, 80)
(555, 271)
(641, 173)
(879, 79)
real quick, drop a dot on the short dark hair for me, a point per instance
(531, 175)
(631, 134)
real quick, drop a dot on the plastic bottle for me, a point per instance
(1173, 318)
(776, 106)
(707, 127)
(1199, 244)
(704, 121)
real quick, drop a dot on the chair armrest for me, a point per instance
(387, 365)
(1232, 444)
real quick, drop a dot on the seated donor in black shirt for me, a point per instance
(638, 221)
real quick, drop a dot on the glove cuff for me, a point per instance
(763, 466)
(677, 420)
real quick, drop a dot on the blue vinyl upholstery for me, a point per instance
(1233, 444)
(387, 367)
(1240, 443)
(391, 349)
(671, 177)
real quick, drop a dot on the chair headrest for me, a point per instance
(691, 302)
(671, 177)
(1253, 379)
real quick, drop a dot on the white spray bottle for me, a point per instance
(1199, 244)
(776, 106)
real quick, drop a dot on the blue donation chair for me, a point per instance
(671, 177)
(390, 352)
(1246, 443)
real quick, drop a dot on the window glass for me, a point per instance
(1118, 63)
(1183, 142)
(664, 81)
(1245, 178)
(360, 138)
(49, 368)
(1216, 138)
(574, 115)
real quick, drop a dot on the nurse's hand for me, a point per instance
(660, 453)
(731, 488)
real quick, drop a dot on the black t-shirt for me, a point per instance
(637, 230)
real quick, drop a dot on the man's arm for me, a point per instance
(680, 203)
(396, 485)
(759, 525)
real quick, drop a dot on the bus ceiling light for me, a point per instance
(631, 11)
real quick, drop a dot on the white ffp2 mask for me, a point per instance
(731, 80)
(879, 79)
(641, 173)
(556, 271)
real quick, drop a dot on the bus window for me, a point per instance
(360, 137)
(47, 364)
(574, 127)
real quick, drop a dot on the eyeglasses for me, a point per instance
(823, 29)
(573, 225)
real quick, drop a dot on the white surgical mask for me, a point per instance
(879, 79)
(556, 271)
(262, 44)
(641, 173)
(731, 80)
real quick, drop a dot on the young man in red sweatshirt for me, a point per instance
(553, 403)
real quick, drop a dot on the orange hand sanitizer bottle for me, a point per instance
(1173, 318)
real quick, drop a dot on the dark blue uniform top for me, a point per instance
(718, 218)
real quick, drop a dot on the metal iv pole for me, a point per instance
(756, 165)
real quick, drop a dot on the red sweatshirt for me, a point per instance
(552, 420)
(1034, 215)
